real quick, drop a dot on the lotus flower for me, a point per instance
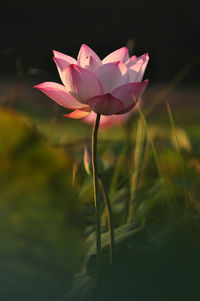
(108, 87)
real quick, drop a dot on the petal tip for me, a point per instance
(77, 114)
(55, 52)
(37, 86)
(84, 46)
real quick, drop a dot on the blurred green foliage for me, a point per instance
(47, 197)
(156, 262)
(40, 242)
(157, 250)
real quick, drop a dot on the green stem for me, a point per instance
(97, 205)
(109, 217)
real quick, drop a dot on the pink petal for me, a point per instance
(112, 75)
(81, 83)
(131, 61)
(137, 69)
(107, 121)
(117, 55)
(64, 57)
(90, 63)
(129, 94)
(87, 58)
(77, 114)
(62, 61)
(134, 70)
(59, 94)
(145, 58)
(105, 104)
(61, 65)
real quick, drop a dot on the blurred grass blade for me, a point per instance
(138, 162)
(74, 173)
(173, 128)
(172, 84)
(183, 140)
(117, 172)
(154, 152)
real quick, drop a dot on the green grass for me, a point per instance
(152, 180)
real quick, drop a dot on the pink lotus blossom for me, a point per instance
(108, 87)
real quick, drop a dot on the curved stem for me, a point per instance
(109, 217)
(97, 205)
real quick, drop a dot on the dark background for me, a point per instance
(168, 30)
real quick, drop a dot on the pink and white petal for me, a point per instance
(134, 71)
(77, 114)
(83, 55)
(60, 95)
(129, 94)
(81, 83)
(90, 63)
(107, 121)
(144, 57)
(112, 75)
(114, 120)
(105, 104)
(117, 55)
(61, 65)
(65, 57)
(140, 74)
(131, 61)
